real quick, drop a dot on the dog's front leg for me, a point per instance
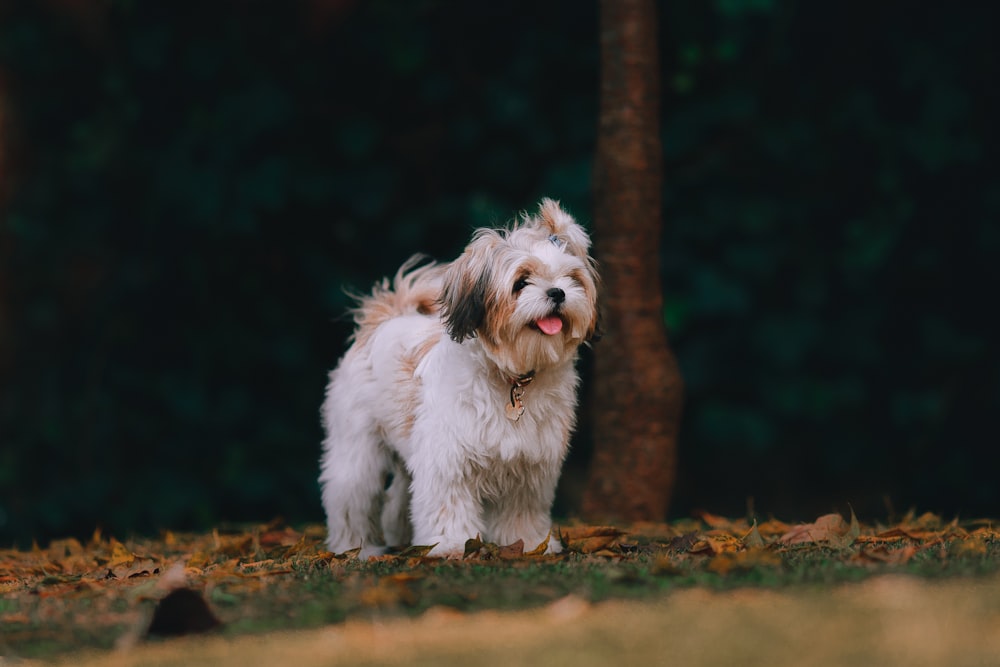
(446, 512)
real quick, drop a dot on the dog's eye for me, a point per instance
(520, 284)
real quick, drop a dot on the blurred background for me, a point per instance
(187, 188)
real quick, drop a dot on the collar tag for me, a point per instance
(515, 408)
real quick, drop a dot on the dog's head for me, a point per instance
(528, 293)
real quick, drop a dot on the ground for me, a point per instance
(705, 591)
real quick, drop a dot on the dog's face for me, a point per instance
(529, 294)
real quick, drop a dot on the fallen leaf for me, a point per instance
(416, 551)
(512, 551)
(827, 528)
(472, 546)
(773, 528)
(232, 546)
(716, 544)
(60, 549)
(714, 521)
(753, 539)
(540, 549)
(588, 539)
(120, 555)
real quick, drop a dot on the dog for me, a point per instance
(450, 414)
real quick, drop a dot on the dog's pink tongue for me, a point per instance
(549, 325)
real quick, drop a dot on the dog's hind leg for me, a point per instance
(396, 511)
(352, 487)
(352, 475)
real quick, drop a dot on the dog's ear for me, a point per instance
(467, 288)
(561, 228)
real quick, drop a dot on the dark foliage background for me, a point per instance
(190, 186)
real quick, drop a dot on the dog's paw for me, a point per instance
(372, 551)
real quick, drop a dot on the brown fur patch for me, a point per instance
(408, 384)
(412, 290)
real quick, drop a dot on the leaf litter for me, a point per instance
(107, 592)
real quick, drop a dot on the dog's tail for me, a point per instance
(414, 289)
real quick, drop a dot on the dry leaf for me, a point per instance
(588, 539)
(472, 546)
(753, 539)
(120, 555)
(714, 521)
(716, 544)
(540, 549)
(827, 528)
(416, 551)
(510, 551)
(773, 528)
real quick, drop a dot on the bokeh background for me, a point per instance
(187, 188)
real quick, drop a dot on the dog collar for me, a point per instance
(517, 384)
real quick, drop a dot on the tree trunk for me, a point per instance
(637, 393)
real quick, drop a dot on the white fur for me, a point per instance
(422, 395)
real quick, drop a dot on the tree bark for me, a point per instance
(637, 393)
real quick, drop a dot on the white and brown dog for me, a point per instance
(450, 415)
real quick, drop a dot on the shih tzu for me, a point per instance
(450, 414)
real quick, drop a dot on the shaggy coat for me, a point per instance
(450, 415)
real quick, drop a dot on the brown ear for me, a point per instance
(466, 288)
(561, 227)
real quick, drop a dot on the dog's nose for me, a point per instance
(556, 294)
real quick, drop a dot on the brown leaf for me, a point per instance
(714, 521)
(588, 539)
(753, 539)
(280, 538)
(120, 555)
(416, 551)
(127, 569)
(540, 549)
(827, 528)
(773, 528)
(59, 549)
(472, 546)
(512, 551)
(716, 544)
(238, 545)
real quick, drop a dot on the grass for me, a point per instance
(71, 596)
